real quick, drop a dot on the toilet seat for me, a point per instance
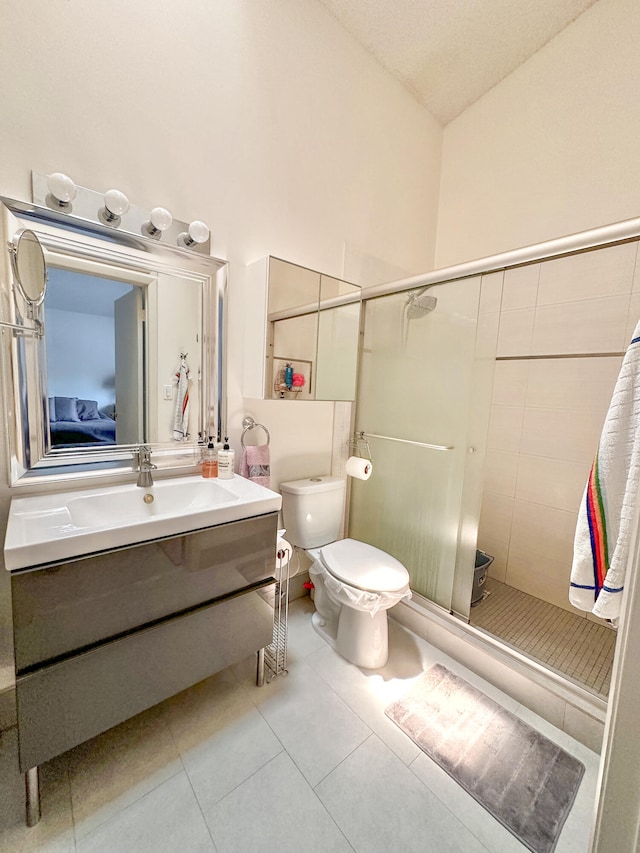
(364, 567)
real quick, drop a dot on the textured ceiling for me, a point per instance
(448, 53)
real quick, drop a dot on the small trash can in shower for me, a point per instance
(483, 561)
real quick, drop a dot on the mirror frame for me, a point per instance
(31, 459)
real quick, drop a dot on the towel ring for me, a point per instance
(248, 424)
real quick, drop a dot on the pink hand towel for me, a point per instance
(255, 464)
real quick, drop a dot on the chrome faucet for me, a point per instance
(145, 467)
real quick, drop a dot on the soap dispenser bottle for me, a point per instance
(210, 460)
(225, 461)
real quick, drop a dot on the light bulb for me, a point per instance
(198, 233)
(116, 204)
(159, 220)
(61, 187)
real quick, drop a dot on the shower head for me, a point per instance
(419, 304)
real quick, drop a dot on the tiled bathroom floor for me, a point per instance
(565, 641)
(306, 763)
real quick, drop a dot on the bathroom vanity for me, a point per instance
(103, 632)
(122, 595)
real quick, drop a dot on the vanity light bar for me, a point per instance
(112, 208)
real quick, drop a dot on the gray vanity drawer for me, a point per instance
(69, 702)
(74, 605)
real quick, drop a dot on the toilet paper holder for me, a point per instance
(359, 446)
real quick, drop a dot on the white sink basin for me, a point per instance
(126, 505)
(50, 528)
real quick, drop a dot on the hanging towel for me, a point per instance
(181, 413)
(255, 464)
(605, 518)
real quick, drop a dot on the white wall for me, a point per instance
(264, 119)
(553, 148)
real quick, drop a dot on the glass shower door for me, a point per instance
(414, 406)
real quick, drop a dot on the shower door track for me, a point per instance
(563, 687)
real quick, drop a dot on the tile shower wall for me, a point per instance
(563, 326)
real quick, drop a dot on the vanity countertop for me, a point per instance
(50, 528)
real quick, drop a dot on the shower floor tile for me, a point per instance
(571, 644)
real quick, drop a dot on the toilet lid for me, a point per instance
(364, 566)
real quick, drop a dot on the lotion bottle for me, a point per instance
(210, 460)
(288, 376)
(225, 461)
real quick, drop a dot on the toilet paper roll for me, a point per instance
(358, 467)
(284, 552)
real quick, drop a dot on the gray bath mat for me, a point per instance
(523, 779)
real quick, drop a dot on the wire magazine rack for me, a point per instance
(275, 654)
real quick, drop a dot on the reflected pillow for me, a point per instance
(87, 410)
(108, 411)
(65, 409)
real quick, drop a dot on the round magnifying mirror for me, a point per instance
(29, 267)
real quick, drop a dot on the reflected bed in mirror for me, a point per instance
(80, 317)
(91, 372)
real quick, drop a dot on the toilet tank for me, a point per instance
(312, 510)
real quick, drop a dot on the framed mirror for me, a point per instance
(313, 325)
(93, 372)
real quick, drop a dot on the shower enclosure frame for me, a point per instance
(594, 239)
(619, 775)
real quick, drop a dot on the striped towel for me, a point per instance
(181, 412)
(605, 520)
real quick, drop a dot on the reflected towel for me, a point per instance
(605, 519)
(181, 412)
(255, 464)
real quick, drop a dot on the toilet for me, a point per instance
(355, 583)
